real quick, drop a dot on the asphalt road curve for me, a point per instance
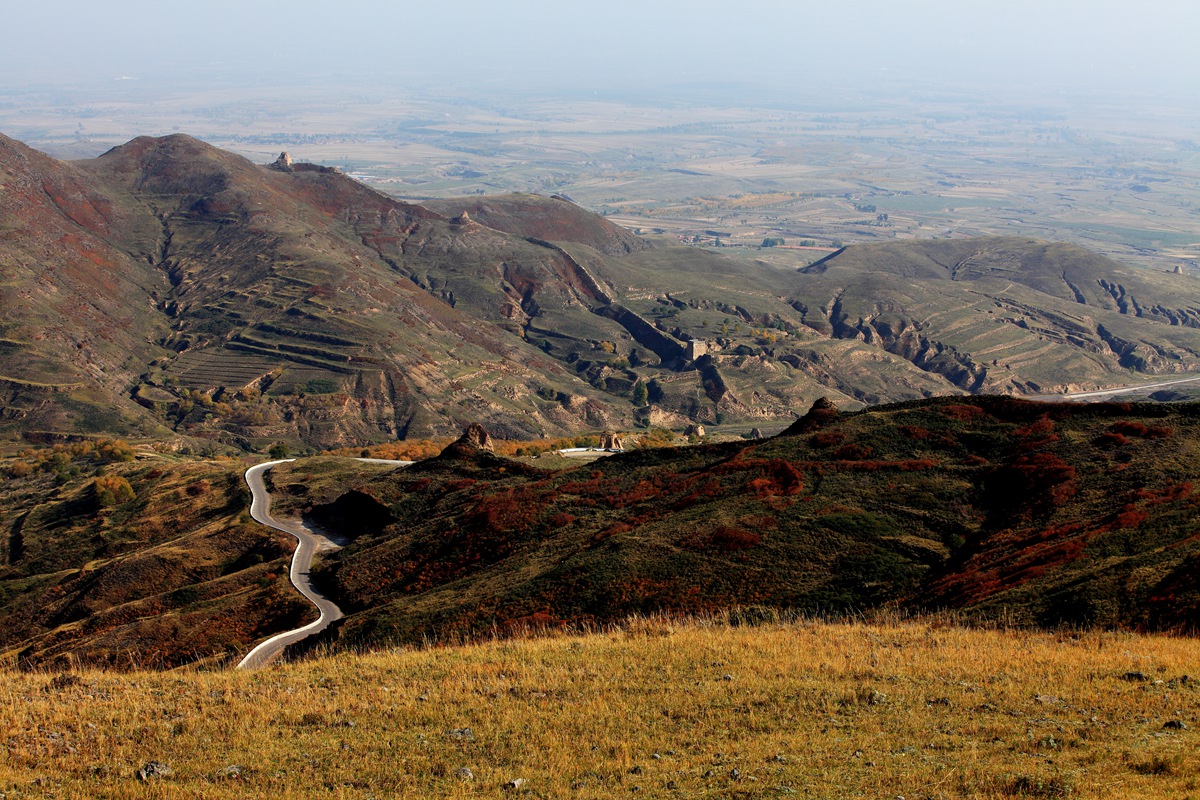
(310, 541)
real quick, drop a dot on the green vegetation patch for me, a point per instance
(1000, 507)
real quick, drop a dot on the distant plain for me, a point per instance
(875, 166)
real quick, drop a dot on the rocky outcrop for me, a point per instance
(822, 413)
(611, 441)
(477, 438)
(474, 441)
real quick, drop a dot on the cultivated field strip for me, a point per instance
(210, 369)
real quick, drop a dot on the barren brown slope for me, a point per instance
(77, 320)
(554, 219)
(272, 280)
(186, 290)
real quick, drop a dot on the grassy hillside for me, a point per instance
(146, 563)
(804, 709)
(1030, 512)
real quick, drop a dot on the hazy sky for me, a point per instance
(1097, 45)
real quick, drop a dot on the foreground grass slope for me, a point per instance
(666, 710)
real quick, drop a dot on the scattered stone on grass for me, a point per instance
(154, 769)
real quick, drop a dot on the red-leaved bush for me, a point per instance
(1140, 430)
(824, 440)
(729, 540)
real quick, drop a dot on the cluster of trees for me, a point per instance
(111, 490)
(67, 460)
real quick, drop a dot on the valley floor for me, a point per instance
(661, 709)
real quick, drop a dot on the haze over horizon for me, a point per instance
(1102, 50)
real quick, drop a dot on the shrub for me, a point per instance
(1040, 427)
(1140, 430)
(962, 412)
(730, 540)
(852, 452)
(822, 441)
(1130, 517)
(1111, 441)
(1041, 480)
(110, 490)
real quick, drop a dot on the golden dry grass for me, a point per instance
(656, 709)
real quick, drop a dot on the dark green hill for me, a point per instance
(1032, 512)
(998, 508)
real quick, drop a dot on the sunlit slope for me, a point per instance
(170, 289)
(76, 320)
(553, 218)
(294, 266)
(1007, 314)
(176, 269)
(804, 709)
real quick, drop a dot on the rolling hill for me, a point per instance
(169, 290)
(1003, 509)
(1004, 314)
(125, 562)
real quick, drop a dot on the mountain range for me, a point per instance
(173, 291)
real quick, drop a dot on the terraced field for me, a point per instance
(220, 368)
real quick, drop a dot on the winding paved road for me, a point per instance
(310, 543)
